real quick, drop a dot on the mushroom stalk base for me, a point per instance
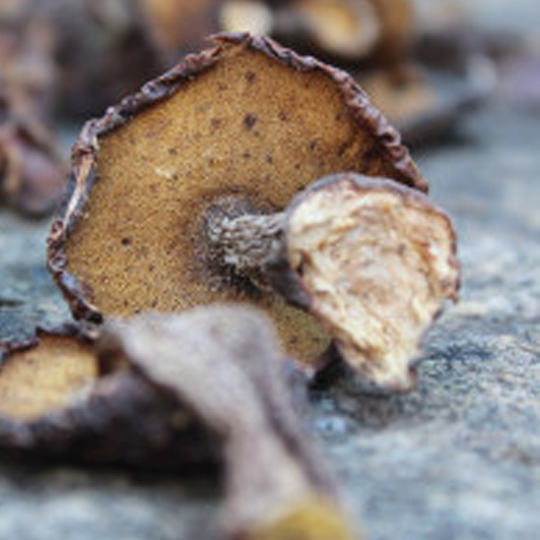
(371, 260)
(249, 243)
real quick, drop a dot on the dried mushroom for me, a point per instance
(58, 401)
(247, 119)
(99, 50)
(36, 380)
(371, 259)
(32, 171)
(28, 75)
(179, 26)
(426, 104)
(348, 31)
(223, 363)
(344, 31)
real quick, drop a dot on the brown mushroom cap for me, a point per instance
(59, 398)
(348, 31)
(246, 118)
(36, 380)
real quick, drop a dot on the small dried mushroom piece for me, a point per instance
(59, 400)
(347, 31)
(179, 26)
(99, 50)
(372, 260)
(223, 363)
(247, 119)
(32, 171)
(36, 380)
(426, 104)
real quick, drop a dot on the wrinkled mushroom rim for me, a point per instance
(85, 151)
(12, 346)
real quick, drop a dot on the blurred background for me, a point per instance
(423, 62)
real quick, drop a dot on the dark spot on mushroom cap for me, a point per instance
(126, 241)
(250, 77)
(250, 120)
(216, 123)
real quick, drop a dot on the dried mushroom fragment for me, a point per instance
(426, 104)
(57, 400)
(247, 119)
(344, 31)
(28, 76)
(32, 172)
(223, 363)
(347, 30)
(37, 380)
(372, 260)
(180, 26)
(100, 50)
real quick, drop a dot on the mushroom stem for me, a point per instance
(372, 260)
(248, 243)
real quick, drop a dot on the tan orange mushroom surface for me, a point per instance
(40, 379)
(247, 119)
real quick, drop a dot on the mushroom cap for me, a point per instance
(245, 118)
(56, 401)
(44, 374)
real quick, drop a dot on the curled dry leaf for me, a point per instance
(247, 121)
(223, 363)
